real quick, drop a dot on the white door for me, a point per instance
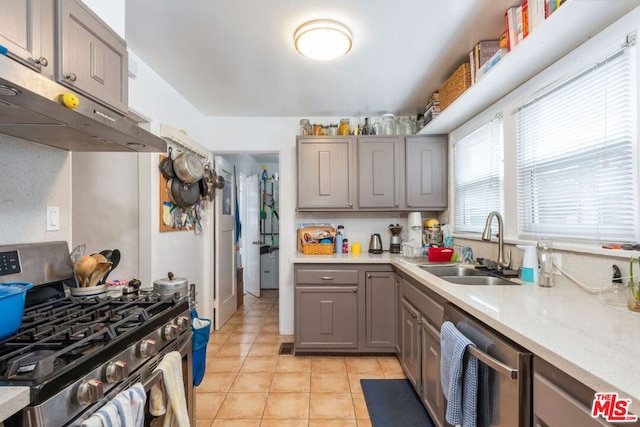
(225, 294)
(253, 239)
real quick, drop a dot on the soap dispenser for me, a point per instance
(529, 264)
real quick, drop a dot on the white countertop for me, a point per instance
(570, 328)
(12, 399)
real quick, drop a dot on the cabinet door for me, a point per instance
(380, 308)
(432, 395)
(380, 176)
(426, 172)
(398, 320)
(326, 317)
(21, 31)
(410, 358)
(326, 173)
(92, 58)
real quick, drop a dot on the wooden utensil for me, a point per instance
(83, 268)
(99, 258)
(97, 274)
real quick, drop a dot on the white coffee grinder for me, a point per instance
(414, 234)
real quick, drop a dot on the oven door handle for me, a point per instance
(490, 361)
(152, 380)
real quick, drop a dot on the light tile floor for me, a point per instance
(248, 385)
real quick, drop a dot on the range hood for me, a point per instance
(30, 109)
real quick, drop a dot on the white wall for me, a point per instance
(33, 177)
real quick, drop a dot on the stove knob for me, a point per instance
(183, 323)
(147, 348)
(116, 371)
(169, 332)
(89, 392)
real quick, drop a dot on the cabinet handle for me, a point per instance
(368, 275)
(326, 278)
(71, 77)
(409, 204)
(355, 290)
(396, 204)
(350, 205)
(42, 61)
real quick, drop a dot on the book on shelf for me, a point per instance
(510, 21)
(481, 53)
(525, 18)
(536, 14)
(482, 71)
(519, 33)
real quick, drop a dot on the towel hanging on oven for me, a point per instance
(201, 330)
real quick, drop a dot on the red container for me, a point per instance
(440, 254)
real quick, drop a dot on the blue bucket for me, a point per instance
(12, 297)
(199, 347)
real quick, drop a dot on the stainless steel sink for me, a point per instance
(452, 270)
(483, 280)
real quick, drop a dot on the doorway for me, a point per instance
(257, 248)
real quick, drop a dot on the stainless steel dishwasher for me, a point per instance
(504, 368)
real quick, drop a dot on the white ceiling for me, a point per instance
(236, 57)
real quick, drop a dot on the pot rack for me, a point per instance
(181, 142)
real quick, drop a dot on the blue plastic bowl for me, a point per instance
(12, 297)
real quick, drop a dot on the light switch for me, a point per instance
(53, 218)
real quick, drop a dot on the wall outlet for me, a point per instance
(557, 262)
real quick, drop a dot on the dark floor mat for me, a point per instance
(394, 403)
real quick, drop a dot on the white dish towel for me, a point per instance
(459, 380)
(126, 409)
(167, 396)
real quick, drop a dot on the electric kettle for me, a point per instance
(375, 244)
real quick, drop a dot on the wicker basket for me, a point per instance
(318, 248)
(455, 85)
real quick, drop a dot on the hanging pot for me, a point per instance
(166, 166)
(185, 195)
(188, 168)
(170, 192)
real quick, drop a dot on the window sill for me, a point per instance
(580, 248)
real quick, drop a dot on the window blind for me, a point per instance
(478, 176)
(576, 156)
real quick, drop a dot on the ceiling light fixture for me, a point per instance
(322, 39)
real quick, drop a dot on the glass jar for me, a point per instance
(305, 127)
(388, 124)
(344, 128)
(376, 128)
(325, 130)
(406, 126)
(333, 129)
(317, 129)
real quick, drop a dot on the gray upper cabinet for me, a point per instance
(388, 173)
(426, 172)
(92, 58)
(380, 172)
(326, 173)
(26, 30)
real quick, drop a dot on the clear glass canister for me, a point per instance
(344, 128)
(388, 124)
(333, 129)
(376, 128)
(305, 127)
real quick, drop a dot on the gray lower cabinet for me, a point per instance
(342, 308)
(421, 318)
(326, 173)
(26, 30)
(92, 58)
(426, 172)
(329, 318)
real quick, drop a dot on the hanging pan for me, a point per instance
(185, 195)
(166, 166)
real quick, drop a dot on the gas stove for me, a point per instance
(76, 353)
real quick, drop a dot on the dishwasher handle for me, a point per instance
(492, 362)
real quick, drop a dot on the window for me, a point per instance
(577, 158)
(477, 177)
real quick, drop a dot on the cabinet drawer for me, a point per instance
(326, 277)
(430, 308)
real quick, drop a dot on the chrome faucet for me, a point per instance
(486, 235)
